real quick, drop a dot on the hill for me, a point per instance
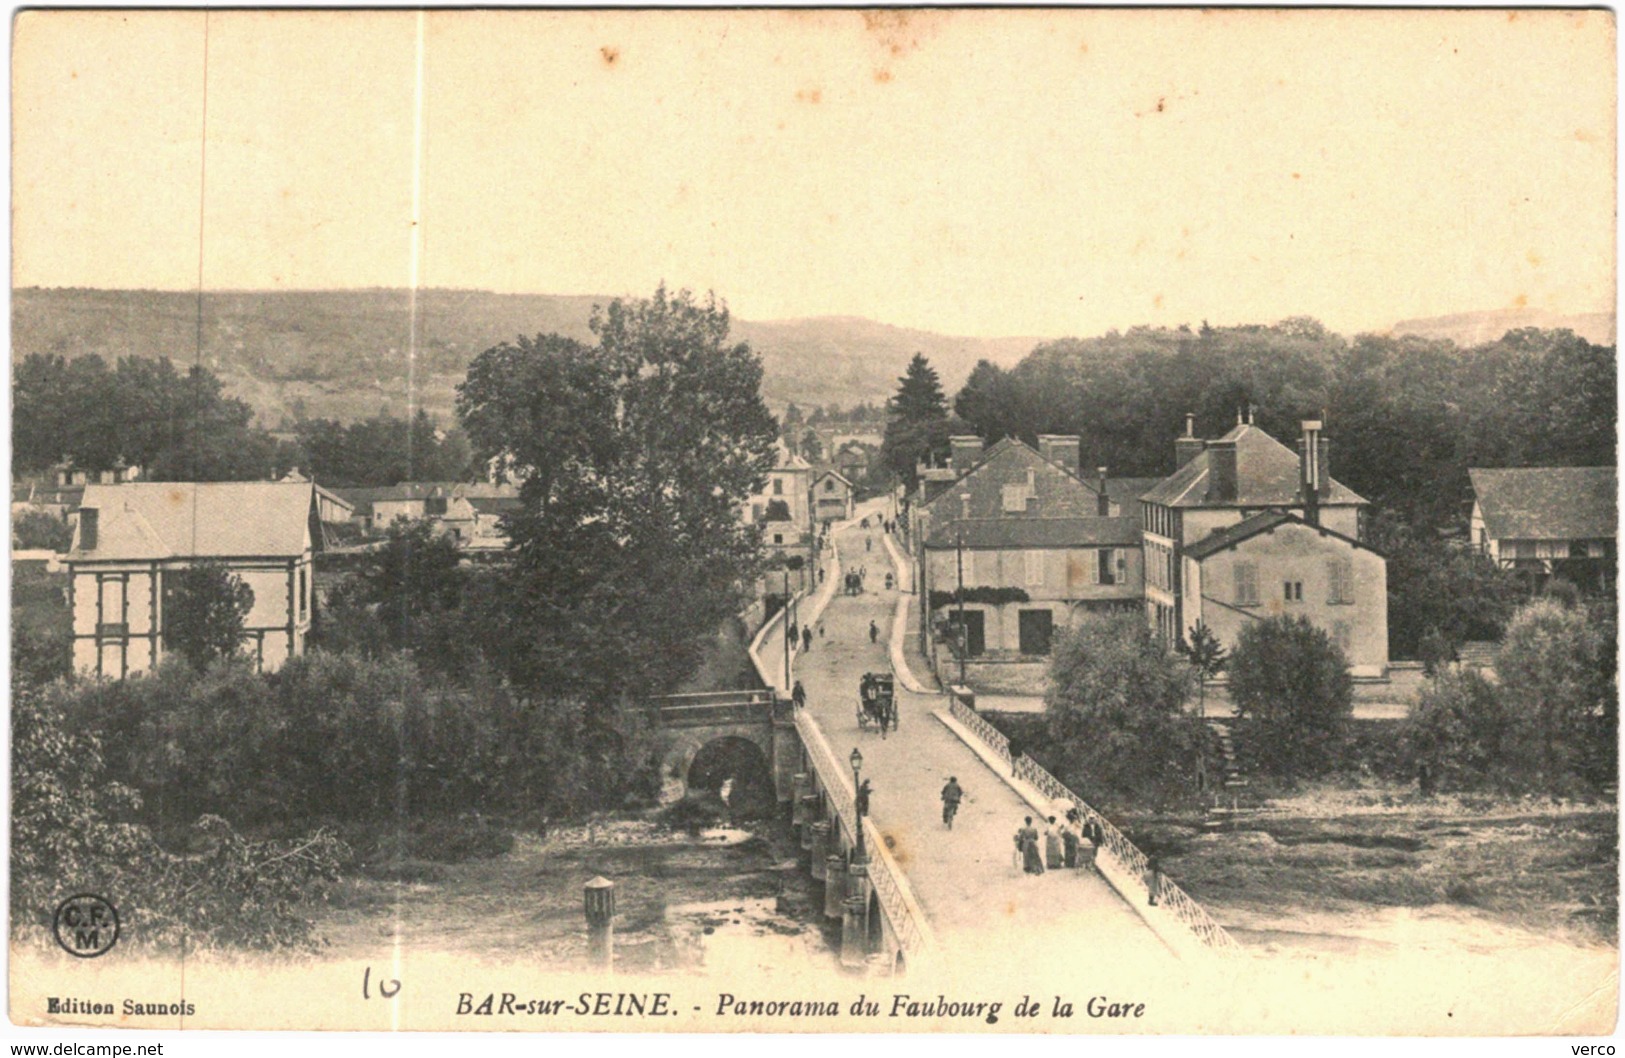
(1468, 329)
(341, 353)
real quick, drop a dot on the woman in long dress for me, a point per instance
(1052, 846)
(1031, 860)
(1069, 839)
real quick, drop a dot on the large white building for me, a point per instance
(129, 540)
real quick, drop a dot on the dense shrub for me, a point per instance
(35, 529)
(1289, 676)
(1558, 680)
(344, 737)
(1115, 720)
(1461, 730)
(205, 607)
(72, 830)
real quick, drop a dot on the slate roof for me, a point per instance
(1126, 493)
(238, 519)
(1266, 476)
(836, 474)
(1548, 503)
(1058, 492)
(1032, 533)
(1258, 524)
(363, 499)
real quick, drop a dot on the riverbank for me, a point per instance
(685, 903)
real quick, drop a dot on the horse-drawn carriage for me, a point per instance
(877, 702)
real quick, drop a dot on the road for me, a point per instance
(980, 905)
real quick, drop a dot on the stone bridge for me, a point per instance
(883, 928)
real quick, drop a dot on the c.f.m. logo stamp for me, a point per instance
(86, 925)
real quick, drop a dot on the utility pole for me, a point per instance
(963, 635)
(784, 629)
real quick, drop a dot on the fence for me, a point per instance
(891, 887)
(1133, 862)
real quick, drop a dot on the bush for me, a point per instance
(694, 813)
(1115, 719)
(35, 530)
(1460, 729)
(1290, 677)
(71, 831)
(1558, 680)
(205, 607)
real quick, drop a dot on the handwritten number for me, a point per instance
(388, 987)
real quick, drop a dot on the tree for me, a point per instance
(1292, 680)
(1206, 655)
(989, 402)
(1558, 679)
(917, 421)
(1115, 711)
(205, 609)
(34, 529)
(1461, 730)
(634, 456)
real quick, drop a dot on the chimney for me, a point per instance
(1188, 447)
(963, 450)
(89, 517)
(1314, 457)
(1221, 466)
(1060, 449)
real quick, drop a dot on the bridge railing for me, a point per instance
(1127, 856)
(896, 896)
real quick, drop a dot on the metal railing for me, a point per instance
(896, 897)
(1133, 862)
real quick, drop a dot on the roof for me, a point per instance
(154, 520)
(494, 504)
(1126, 492)
(407, 491)
(1548, 503)
(1059, 493)
(784, 459)
(832, 473)
(1266, 476)
(1258, 524)
(1029, 533)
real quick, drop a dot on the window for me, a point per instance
(302, 589)
(1121, 562)
(1034, 561)
(1340, 578)
(1246, 584)
(1014, 498)
(1341, 637)
(755, 512)
(1292, 590)
(778, 538)
(1108, 566)
(778, 486)
(829, 484)
(1577, 549)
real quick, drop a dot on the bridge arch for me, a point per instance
(702, 761)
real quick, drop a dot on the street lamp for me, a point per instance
(861, 802)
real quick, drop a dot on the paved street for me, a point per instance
(979, 903)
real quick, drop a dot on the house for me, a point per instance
(852, 459)
(470, 512)
(1548, 521)
(832, 495)
(783, 507)
(1245, 529)
(130, 539)
(1032, 544)
(331, 508)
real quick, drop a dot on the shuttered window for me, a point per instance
(1340, 582)
(1246, 584)
(1034, 561)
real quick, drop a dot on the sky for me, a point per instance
(970, 172)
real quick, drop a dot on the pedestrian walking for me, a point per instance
(874, 632)
(793, 633)
(798, 695)
(1027, 838)
(1052, 846)
(868, 543)
(952, 794)
(820, 631)
(1153, 879)
(806, 639)
(862, 799)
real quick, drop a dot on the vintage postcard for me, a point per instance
(955, 521)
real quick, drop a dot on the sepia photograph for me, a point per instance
(970, 521)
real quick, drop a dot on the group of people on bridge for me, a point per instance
(1068, 845)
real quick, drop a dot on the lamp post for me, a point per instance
(860, 854)
(599, 898)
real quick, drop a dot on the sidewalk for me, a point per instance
(979, 903)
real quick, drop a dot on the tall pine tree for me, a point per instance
(917, 423)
